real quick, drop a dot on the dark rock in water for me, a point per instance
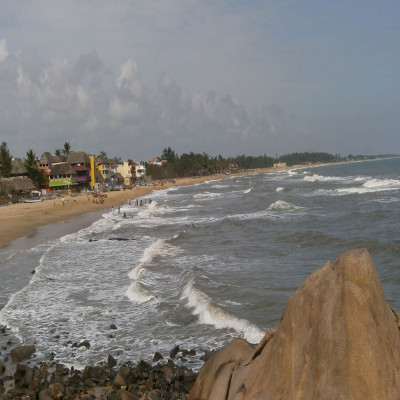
(22, 352)
(186, 353)
(174, 352)
(157, 356)
(112, 326)
(85, 343)
(33, 272)
(118, 238)
(2, 367)
(337, 339)
(111, 361)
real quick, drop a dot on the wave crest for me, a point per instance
(210, 314)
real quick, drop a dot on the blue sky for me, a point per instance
(227, 77)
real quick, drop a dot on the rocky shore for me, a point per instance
(21, 378)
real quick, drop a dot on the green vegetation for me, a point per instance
(34, 172)
(5, 161)
(174, 166)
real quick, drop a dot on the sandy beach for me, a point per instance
(23, 219)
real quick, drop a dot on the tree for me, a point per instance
(30, 160)
(66, 150)
(34, 172)
(169, 155)
(5, 161)
(58, 152)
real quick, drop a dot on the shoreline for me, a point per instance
(27, 224)
(24, 219)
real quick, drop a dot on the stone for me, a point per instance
(124, 395)
(22, 352)
(174, 352)
(56, 391)
(45, 395)
(337, 339)
(2, 367)
(85, 343)
(124, 377)
(111, 361)
(157, 356)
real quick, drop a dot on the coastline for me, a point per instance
(34, 220)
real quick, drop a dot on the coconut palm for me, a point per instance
(34, 172)
(30, 161)
(66, 150)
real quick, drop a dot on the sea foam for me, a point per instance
(210, 314)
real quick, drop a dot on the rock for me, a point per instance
(45, 395)
(97, 374)
(124, 395)
(113, 326)
(85, 343)
(157, 356)
(337, 339)
(124, 377)
(23, 376)
(174, 352)
(22, 352)
(2, 367)
(111, 361)
(56, 391)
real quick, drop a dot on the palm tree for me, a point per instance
(30, 161)
(34, 172)
(66, 150)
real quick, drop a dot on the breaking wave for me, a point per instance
(210, 314)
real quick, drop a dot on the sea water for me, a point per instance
(196, 266)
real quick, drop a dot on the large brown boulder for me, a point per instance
(337, 339)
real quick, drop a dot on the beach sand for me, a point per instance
(35, 223)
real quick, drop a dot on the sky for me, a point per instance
(229, 77)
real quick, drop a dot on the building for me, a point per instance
(18, 168)
(128, 171)
(140, 172)
(16, 186)
(102, 165)
(62, 176)
(80, 162)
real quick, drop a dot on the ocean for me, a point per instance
(196, 266)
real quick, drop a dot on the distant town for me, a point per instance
(75, 171)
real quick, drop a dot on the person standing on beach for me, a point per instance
(63, 200)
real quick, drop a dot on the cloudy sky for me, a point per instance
(229, 77)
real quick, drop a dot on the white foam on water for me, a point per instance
(372, 186)
(137, 293)
(210, 314)
(207, 195)
(280, 189)
(248, 190)
(281, 205)
(320, 178)
(160, 247)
